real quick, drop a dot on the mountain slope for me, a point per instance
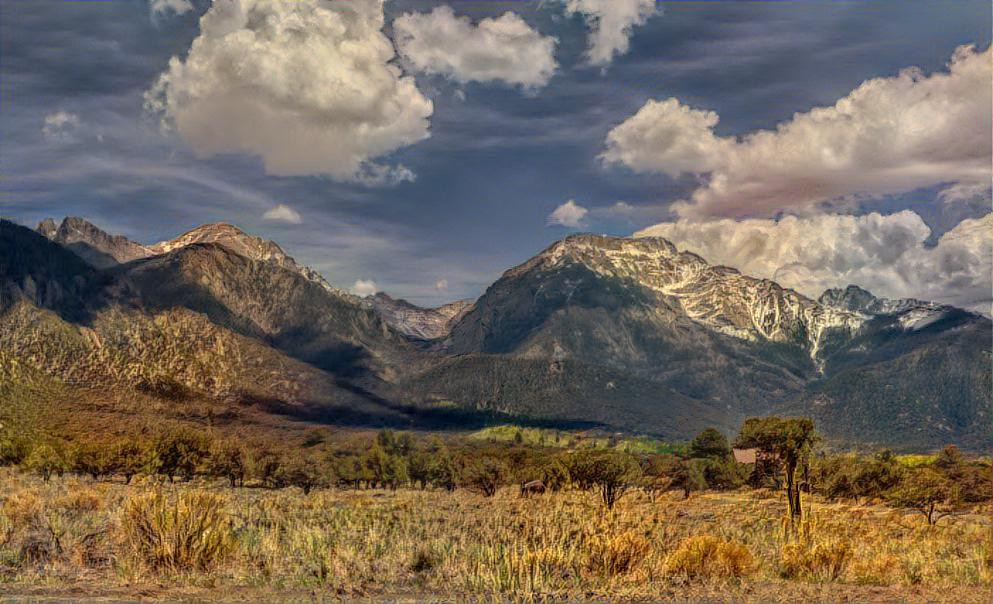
(683, 333)
(113, 349)
(275, 305)
(626, 334)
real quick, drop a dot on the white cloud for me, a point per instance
(441, 285)
(883, 254)
(363, 288)
(502, 49)
(570, 214)
(60, 124)
(177, 7)
(888, 136)
(610, 23)
(306, 85)
(284, 213)
(669, 137)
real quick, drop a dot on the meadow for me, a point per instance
(74, 536)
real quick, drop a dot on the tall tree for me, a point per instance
(790, 439)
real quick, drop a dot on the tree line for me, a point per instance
(786, 459)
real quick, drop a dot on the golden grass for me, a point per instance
(378, 544)
(708, 557)
(188, 532)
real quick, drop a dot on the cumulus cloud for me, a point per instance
(890, 135)
(159, 8)
(307, 85)
(570, 214)
(60, 124)
(668, 137)
(502, 49)
(610, 23)
(363, 288)
(283, 213)
(885, 254)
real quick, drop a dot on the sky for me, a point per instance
(422, 148)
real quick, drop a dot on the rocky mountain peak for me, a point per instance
(718, 297)
(856, 299)
(47, 227)
(246, 245)
(92, 244)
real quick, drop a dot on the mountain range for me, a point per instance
(625, 334)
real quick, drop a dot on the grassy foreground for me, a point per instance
(72, 537)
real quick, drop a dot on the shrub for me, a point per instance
(190, 533)
(23, 508)
(823, 561)
(710, 557)
(617, 554)
(80, 500)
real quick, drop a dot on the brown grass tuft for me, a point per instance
(192, 532)
(710, 557)
(617, 554)
(83, 500)
(824, 561)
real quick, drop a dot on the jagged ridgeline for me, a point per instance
(619, 333)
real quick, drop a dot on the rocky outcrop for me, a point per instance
(415, 321)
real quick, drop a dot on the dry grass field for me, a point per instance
(75, 538)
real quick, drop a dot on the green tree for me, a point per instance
(129, 457)
(486, 476)
(303, 471)
(555, 474)
(689, 476)
(927, 491)
(788, 439)
(46, 460)
(180, 453)
(724, 474)
(228, 460)
(92, 458)
(710, 443)
(267, 466)
(612, 473)
(444, 473)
